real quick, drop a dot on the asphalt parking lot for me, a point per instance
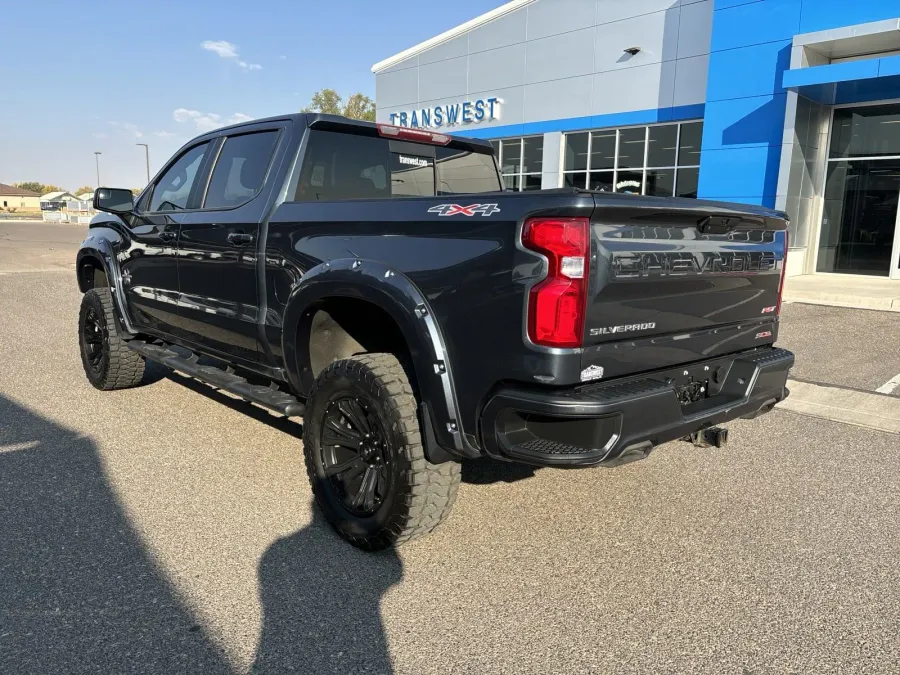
(168, 529)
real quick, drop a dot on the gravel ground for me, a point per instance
(835, 345)
(168, 529)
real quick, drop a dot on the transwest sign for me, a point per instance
(452, 114)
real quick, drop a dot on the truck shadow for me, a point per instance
(80, 592)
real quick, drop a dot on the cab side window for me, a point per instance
(240, 169)
(173, 190)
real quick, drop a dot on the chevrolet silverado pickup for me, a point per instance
(378, 282)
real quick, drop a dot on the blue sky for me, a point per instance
(80, 77)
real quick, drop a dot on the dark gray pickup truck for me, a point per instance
(378, 282)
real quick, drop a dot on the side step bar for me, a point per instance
(268, 397)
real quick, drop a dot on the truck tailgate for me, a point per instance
(673, 281)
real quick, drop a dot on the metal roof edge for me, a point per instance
(452, 33)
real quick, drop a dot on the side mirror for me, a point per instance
(113, 200)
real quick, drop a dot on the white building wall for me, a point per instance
(562, 59)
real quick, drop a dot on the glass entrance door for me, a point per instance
(862, 193)
(860, 218)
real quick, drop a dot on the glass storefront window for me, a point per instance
(859, 216)
(660, 160)
(521, 161)
(603, 150)
(631, 148)
(866, 132)
(662, 145)
(689, 144)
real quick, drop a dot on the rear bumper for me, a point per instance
(619, 421)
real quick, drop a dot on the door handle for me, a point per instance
(168, 236)
(239, 238)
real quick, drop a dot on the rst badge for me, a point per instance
(459, 210)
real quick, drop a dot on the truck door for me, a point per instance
(149, 268)
(217, 252)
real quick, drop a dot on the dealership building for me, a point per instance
(790, 104)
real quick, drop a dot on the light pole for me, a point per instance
(97, 160)
(147, 157)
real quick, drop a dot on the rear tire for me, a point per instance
(107, 360)
(365, 459)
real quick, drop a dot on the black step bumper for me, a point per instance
(614, 422)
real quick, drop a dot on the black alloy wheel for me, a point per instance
(355, 454)
(95, 339)
(365, 458)
(108, 362)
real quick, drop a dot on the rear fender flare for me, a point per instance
(100, 250)
(394, 293)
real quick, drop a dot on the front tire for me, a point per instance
(365, 459)
(107, 360)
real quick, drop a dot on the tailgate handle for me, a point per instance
(717, 224)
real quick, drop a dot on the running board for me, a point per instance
(268, 397)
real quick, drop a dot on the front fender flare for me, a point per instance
(99, 249)
(394, 293)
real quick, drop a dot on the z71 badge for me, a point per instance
(470, 210)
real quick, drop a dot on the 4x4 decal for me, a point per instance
(470, 210)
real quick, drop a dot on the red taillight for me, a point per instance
(556, 305)
(417, 135)
(783, 275)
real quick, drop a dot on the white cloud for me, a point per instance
(223, 48)
(100, 134)
(229, 51)
(207, 121)
(133, 129)
(128, 128)
(163, 134)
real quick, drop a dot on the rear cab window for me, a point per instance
(341, 166)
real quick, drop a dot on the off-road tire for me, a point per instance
(420, 495)
(117, 367)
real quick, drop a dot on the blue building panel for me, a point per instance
(742, 25)
(744, 122)
(835, 72)
(826, 14)
(748, 71)
(634, 117)
(748, 174)
(725, 4)
(890, 65)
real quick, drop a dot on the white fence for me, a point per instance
(73, 211)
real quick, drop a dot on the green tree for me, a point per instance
(83, 188)
(358, 106)
(136, 191)
(40, 188)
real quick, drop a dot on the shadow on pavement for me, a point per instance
(486, 471)
(79, 592)
(321, 604)
(274, 420)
